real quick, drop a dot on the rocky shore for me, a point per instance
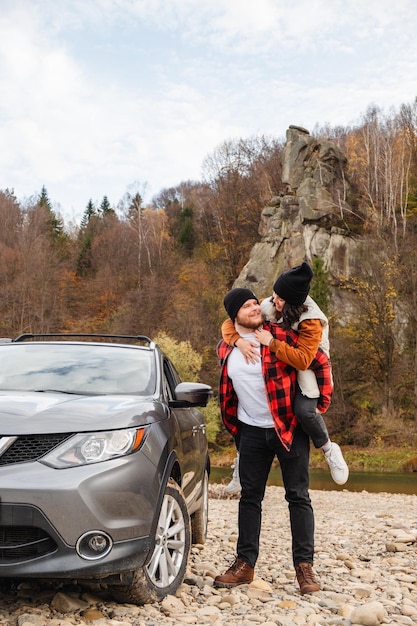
(366, 560)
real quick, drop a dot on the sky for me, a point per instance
(108, 97)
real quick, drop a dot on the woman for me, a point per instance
(291, 307)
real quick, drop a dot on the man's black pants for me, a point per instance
(257, 450)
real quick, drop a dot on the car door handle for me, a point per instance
(196, 429)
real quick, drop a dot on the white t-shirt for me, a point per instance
(249, 385)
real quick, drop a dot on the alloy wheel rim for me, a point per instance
(169, 551)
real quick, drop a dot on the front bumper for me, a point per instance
(30, 547)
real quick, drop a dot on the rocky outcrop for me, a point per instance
(311, 219)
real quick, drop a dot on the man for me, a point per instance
(256, 405)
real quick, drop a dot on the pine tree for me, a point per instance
(55, 224)
(320, 288)
(89, 212)
(105, 207)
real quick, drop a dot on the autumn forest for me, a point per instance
(161, 269)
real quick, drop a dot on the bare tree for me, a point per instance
(380, 155)
(375, 318)
(240, 183)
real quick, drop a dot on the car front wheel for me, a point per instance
(165, 570)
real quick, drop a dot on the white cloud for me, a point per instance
(97, 94)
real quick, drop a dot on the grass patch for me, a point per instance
(373, 459)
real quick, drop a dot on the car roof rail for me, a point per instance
(32, 336)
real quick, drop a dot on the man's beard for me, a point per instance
(250, 324)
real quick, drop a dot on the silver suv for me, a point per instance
(104, 463)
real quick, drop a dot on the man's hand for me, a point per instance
(249, 349)
(263, 336)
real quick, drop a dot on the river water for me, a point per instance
(321, 480)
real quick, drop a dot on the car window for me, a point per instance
(171, 379)
(77, 368)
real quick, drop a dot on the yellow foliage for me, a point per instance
(185, 359)
(188, 364)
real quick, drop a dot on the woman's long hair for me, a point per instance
(291, 314)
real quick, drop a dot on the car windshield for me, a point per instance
(77, 368)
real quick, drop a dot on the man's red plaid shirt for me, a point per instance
(280, 382)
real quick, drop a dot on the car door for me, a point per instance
(192, 441)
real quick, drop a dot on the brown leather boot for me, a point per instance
(306, 578)
(238, 573)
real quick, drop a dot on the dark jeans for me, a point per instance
(311, 422)
(257, 449)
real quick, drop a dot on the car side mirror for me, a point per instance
(191, 394)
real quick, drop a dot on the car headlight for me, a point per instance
(88, 448)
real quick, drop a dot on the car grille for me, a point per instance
(31, 447)
(19, 543)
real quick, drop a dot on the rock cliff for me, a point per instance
(311, 219)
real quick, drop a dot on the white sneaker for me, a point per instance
(338, 467)
(234, 486)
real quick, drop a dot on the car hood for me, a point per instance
(40, 412)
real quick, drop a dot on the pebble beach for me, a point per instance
(365, 559)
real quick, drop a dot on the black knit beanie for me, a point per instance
(235, 298)
(293, 286)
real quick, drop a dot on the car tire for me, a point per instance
(165, 570)
(199, 520)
